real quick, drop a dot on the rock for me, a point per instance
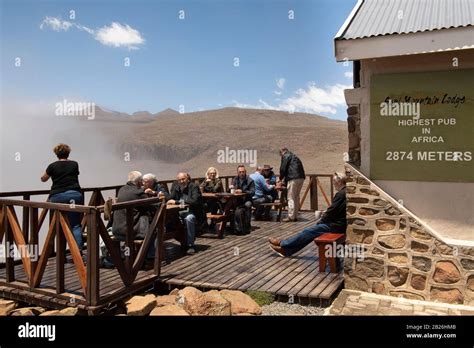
(7, 306)
(377, 251)
(367, 211)
(446, 272)
(443, 248)
(362, 181)
(369, 192)
(355, 235)
(467, 264)
(50, 313)
(378, 288)
(69, 311)
(356, 221)
(398, 258)
(385, 224)
(468, 251)
(241, 303)
(421, 263)
(190, 299)
(419, 247)
(174, 291)
(381, 202)
(351, 209)
(355, 283)
(392, 241)
(140, 305)
(352, 110)
(419, 233)
(402, 224)
(28, 311)
(397, 275)
(392, 211)
(407, 294)
(170, 309)
(418, 281)
(357, 200)
(470, 283)
(213, 303)
(370, 267)
(166, 300)
(350, 189)
(446, 295)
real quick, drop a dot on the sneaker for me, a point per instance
(191, 251)
(288, 220)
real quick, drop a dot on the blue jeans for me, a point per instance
(71, 197)
(302, 239)
(189, 220)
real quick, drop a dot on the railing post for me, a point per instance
(129, 250)
(26, 220)
(313, 194)
(60, 255)
(34, 231)
(93, 289)
(9, 261)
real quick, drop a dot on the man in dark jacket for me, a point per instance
(183, 190)
(292, 173)
(333, 220)
(242, 183)
(141, 215)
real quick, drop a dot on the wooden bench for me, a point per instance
(322, 241)
(278, 205)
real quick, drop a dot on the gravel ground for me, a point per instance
(282, 308)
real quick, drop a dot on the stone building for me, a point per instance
(411, 147)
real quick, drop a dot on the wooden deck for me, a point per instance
(235, 262)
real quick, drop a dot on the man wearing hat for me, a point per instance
(270, 178)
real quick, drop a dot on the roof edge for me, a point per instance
(349, 19)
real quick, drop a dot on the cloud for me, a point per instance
(348, 74)
(118, 35)
(55, 24)
(312, 99)
(115, 35)
(280, 85)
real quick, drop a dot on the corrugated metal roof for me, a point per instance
(385, 17)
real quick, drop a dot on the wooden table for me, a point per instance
(229, 200)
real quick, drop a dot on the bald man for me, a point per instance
(188, 192)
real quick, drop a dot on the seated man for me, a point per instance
(333, 220)
(242, 183)
(263, 194)
(183, 190)
(141, 215)
(271, 179)
(152, 187)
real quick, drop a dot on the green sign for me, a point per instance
(422, 126)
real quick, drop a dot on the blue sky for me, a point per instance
(285, 64)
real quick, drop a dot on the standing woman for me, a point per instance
(65, 189)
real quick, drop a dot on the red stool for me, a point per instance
(321, 242)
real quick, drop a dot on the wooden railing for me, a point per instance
(34, 214)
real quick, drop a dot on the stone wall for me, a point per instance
(402, 257)
(353, 127)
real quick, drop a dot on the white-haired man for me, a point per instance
(153, 188)
(333, 220)
(131, 191)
